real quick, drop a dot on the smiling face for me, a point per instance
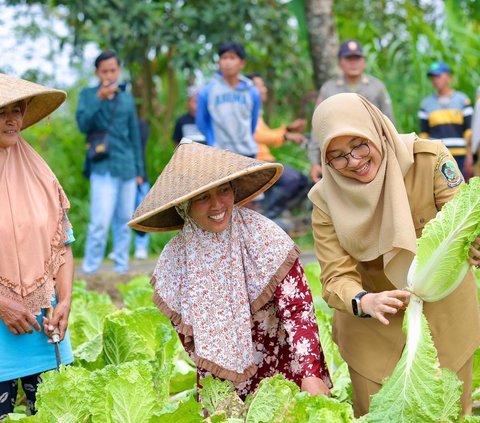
(212, 210)
(11, 120)
(363, 169)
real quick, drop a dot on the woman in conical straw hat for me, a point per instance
(36, 264)
(230, 281)
(378, 191)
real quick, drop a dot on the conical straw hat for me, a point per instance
(41, 101)
(195, 168)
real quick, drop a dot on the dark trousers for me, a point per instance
(286, 193)
(292, 182)
(8, 394)
(461, 162)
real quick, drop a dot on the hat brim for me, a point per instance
(352, 54)
(436, 73)
(42, 105)
(41, 101)
(249, 183)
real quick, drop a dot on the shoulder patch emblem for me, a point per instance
(451, 173)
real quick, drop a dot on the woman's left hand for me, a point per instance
(315, 386)
(378, 304)
(59, 319)
(474, 257)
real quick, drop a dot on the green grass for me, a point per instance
(305, 243)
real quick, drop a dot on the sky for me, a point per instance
(18, 56)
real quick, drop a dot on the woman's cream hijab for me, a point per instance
(371, 219)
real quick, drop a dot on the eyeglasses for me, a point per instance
(358, 152)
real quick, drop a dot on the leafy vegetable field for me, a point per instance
(131, 367)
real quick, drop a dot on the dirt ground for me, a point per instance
(106, 280)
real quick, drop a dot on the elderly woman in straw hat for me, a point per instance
(230, 280)
(378, 191)
(36, 264)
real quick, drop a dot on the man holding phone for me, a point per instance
(113, 179)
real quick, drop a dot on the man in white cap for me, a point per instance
(185, 125)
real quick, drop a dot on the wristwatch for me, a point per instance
(356, 306)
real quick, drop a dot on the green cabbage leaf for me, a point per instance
(418, 389)
(440, 264)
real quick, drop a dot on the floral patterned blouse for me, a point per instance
(285, 336)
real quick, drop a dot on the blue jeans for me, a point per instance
(142, 239)
(112, 201)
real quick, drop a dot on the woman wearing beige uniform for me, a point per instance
(378, 191)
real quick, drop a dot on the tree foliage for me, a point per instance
(166, 44)
(162, 43)
(401, 39)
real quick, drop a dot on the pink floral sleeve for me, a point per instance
(297, 313)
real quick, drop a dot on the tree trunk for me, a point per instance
(323, 38)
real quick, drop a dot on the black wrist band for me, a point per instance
(356, 307)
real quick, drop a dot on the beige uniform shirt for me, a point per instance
(369, 347)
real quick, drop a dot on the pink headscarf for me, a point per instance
(32, 227)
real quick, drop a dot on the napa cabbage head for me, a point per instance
(441, 261)
(418, 390)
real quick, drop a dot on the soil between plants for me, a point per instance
(106, 280)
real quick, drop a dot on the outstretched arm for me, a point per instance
(296, 311)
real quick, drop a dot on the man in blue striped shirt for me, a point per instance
(447, 115)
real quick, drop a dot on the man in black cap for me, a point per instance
(351, 62)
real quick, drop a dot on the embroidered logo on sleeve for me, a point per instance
(451, 173)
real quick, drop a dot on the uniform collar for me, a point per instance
(341, 82)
